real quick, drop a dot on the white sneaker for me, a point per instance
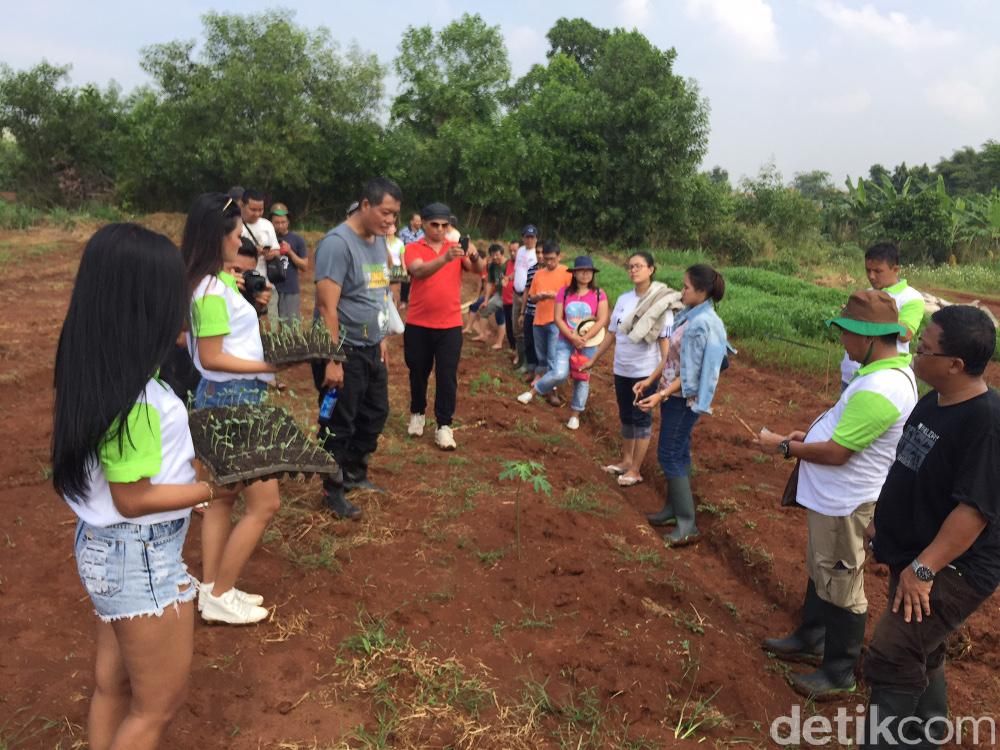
(204, 589)
(416, 426)
(231, 609)
(525, 398)
(444, 438)
(573, 423)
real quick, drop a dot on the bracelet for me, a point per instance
(211, 490)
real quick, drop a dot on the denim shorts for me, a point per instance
(131, 570)
(636, 423)
(235, 392)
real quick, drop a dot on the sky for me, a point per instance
(834, 85)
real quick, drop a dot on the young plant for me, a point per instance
(525, 472)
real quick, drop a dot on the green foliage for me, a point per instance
(18, 216)
(787, 213)
(529, 472)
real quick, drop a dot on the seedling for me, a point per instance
(531, 472)
(292, 341)
(247, 443)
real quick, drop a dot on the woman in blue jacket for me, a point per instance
(687, 386)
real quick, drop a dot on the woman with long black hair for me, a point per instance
(122, 458)
(687, 384)
(227, 349)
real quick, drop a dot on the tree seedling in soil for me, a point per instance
(255, 442)
(525, 472)
(292, 341)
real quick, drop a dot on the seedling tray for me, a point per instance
(251, 443)
(291, 342)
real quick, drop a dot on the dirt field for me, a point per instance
(426, 625)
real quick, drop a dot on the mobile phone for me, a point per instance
(464, 242)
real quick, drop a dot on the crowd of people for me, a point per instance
(911, 480)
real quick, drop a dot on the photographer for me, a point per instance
(433, 335)
(252, 284)
(265, 238)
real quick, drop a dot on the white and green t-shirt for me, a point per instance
(156, 447)
(868, 419)
(910, 304)
(218, 309)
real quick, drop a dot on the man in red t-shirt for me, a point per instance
(508, 299)
(433, 335)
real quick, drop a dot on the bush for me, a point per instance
(18, 216)
(739, 244)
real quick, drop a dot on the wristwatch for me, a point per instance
(922, 572)
(785, 448)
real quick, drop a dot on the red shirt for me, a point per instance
(507, 295)
(435, 301)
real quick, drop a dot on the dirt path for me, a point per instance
(422, 626)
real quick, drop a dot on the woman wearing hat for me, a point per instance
(581, 314)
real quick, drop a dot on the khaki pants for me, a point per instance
(835, 557)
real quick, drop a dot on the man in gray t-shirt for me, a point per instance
(352, 288)
(359, 267)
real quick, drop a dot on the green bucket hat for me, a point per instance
(869, 313)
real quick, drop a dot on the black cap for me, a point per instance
(435, 211)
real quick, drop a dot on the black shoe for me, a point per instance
(340, 506)
(886, 709)
(360, 483)
(806, 643)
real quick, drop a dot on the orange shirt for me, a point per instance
(435, 302)
(548, 281)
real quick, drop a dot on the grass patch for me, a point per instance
(627, 553)
(583, 499)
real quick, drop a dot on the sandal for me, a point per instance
(625, 481)
(613, 469)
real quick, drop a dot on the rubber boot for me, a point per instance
(886, 708)
(933, 704)
(335, 501)
(845, 632)
(665, 516)
(679, 493)
(806, 643)
(356, 476)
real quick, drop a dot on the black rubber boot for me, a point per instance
(806, 643)
(886, 708)
(679, 492)
(845, 632)
(933, 704)
(665, 516)
(356, 476)
(335, 501)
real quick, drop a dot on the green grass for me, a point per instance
(583, 499)
(971, 279)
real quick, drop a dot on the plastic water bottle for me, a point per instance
(329, 402)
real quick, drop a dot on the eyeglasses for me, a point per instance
(438, 224)
(924, 353)
(636, 266)
(228, 204)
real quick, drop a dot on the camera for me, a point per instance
(253, 284)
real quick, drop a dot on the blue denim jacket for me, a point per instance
(703, 348)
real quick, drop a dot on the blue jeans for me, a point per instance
(636, 423)
(229, 393)
(559, 371)
(674, 448)
(546, 337)
(130, 570)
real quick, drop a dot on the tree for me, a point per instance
(264, 103)
(815, 185)
(66, 138)
(579, 40)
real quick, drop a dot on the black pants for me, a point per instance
(440, 349)
(352, 431)
(404, 291)
(508, 316)
(902, 653)
(529, 340)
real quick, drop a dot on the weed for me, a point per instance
(721, 509)
(531, 621)
(755, 554)
(583, 500)
(489, 558)
(484, 381)
(630, 554)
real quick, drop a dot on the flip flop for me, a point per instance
(613, 469)
(624, 481)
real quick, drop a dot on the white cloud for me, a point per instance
(957, 98)
(846, 103)
(893, 28)
(749, 24)
(634, 13)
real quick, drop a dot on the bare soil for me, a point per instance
(421, 626)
